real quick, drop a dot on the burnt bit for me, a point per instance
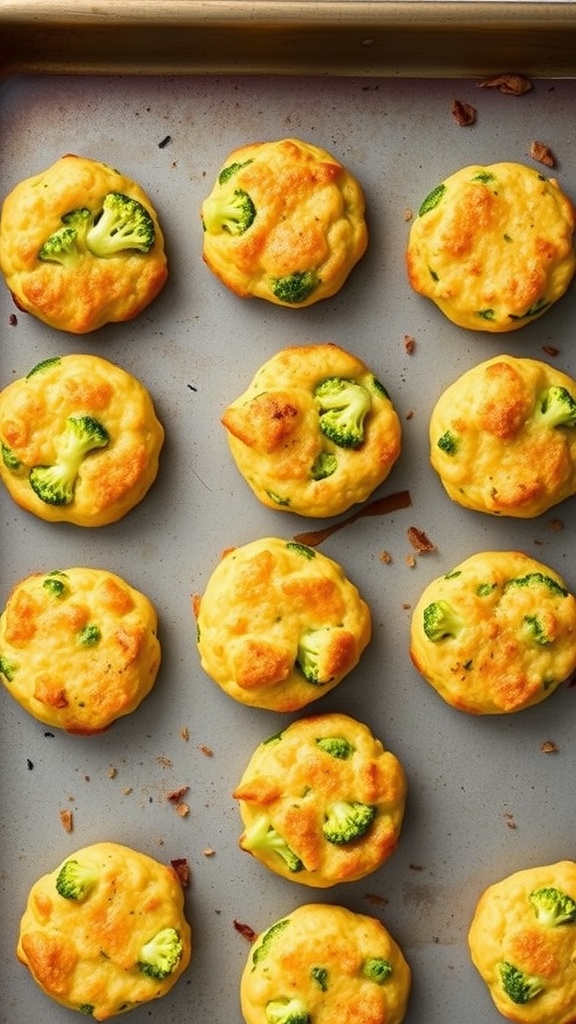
(549, 747)
(165, 142)
(29, 764)
(420, 541)
(375, 899)
(13, 320)
(463, 113)
(542, 153)
(182, 869)
(551, 350)
(509, 819)
(409, 344)
(67, 820)
(245, 930)
(510, 85)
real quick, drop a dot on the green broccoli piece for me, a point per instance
(344, 406)
(55, 582)
(346, 821)
(75, 881)
(123, 224)
(301, 549)
(432, 199)
(287, 1011)
(87, 1009)
(8, 668)
(44, 364)
(262, 947)
(230, 170)
(448, 443)
(376, 969)
(233, 213)
(55, 484)
(518, 986)
(440, 620)
(161, 955)
(324, 465)
(336, 746)
(60, 247)
(538, 579)
(10, 460)
(295, 288)
(537, 631)
(557, 408)
(485, 589)
(311, 655)
(89, 636)
(552, 906)
(263, 837)
(320, 976)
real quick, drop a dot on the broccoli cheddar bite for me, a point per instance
(279, 624)
(315, 432)
(496, 634)
(492, 246)
(503, 437)
(322, 802)
(80, 440)
(78, 648)
(106, 931)
(326, 964)
(522, 940)
(81, 246)
(284, 222)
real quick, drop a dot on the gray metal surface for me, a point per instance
(484, 800)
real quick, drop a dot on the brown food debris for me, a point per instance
(385, 557)
(549, 747)
(183, 810)
(175, 795)
(375, 899)
(13, 320)
(419, 541)
(463, 113)
(408, 215)
(409, 344)
(550, 350)
(208, 852)
(112, 773)
(127, 790)
(164, 761)
(67, 820)
(509, 819)
(184, 733)
(182, 869)
(207, 751)
(196, 598)
(556, 525)
(410, 561)
(245, 930)
(511, 85)
(542, 153)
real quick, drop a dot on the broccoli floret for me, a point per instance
(161, 955)
(301, 549)
(448, 443)
(343, 409)
(320, 976)
(552, 906)
(347, 821)
(262, 947)
(10, 460)
(75, 881)
(123, 224)
(336, 746)
(89, 636)
(55, 484)
(55, 583)
(8, 668)
(558, 408)
(60, 247)
(234, 213)
(518, 986)
(262, 836)
(287, 1011)
(295, 288)
(311, 655)
(230, 170)
(441, 620)
(324, 465)
(537, 631)
(87, 1009)
(376, 969)
(538, 579)
(44, 364)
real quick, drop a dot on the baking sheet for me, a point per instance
(484, 800)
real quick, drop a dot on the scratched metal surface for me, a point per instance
(470, 779)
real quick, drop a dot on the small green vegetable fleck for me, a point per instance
(10, 460)
(8, 668)
(432, 199)
(56, 583)
(89, 636)
(45, 364)
(377, 969)
(301, 549)
(228, 172)
(336, 746)
(320, 976)
(324, 465)
(448, 443)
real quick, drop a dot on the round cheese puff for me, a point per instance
(522, 940)
(315, 432)
(279, 624)
(284, 222)
(325, 964)
(322, 802)
(492, 246)
(495, 634)
(81, 246)
(80, 440)
(78, 648)
(105, 931)
(503, 437)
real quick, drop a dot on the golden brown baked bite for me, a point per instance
(106, 931)
(279, 624)
(80, 440)
(495, 634)
(522, 940)
(78, 648)
(492, 246)
(81, 246)
(322, 802)
(503, 437)
(315, 432)
(326, 964)
(284, 222)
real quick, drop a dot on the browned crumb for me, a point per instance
(112, 773)
(556, 524)
(550, 350)
(184, 733)
(245, 930)
(509, 819)
(463, 113)
(409, 344)
(375, 899)
(542, 153)
(410, 561)
(419, 541)
(182, 809)
(182, 869)
(207, 751)
(164, 761)
(406, 606)
(408, 215)
(385, 557)
(208, 852)
(127, 790)
(511, 85)
(549, 747)
(175, 795)
(67, 820)
(196, 598)
(410, 414)
(416, 867)
(13, 320)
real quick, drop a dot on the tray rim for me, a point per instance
(376, 38)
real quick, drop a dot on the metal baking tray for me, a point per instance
(164, 92)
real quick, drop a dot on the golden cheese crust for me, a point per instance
(277, 438)
(86, 953)
(78, 648)
(44, 417)
(82, 294)
(279, 209)
(503, 437)
(492, 246)
(294, 780)
(496, 634)
(335, 965)
(272, 611)
(507, 929)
